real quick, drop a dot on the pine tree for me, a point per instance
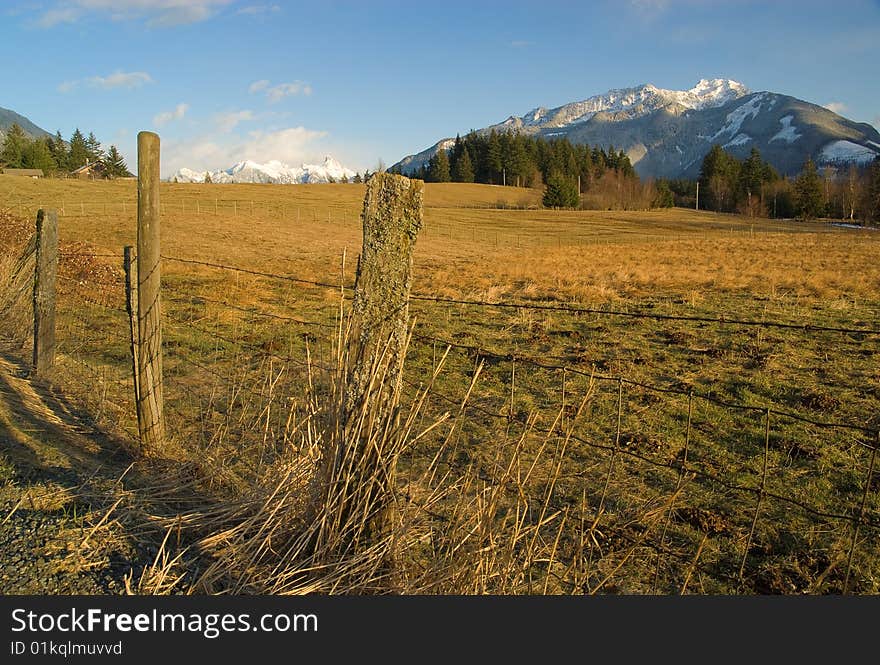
(208, 180)
(560, 192)
(115, 164)
(357, 178)
(464, 168)
(79, 152)
(664, 197)
(59, 151)
(516, 160)
(808, 192)
(438, 167)
(752, 175)
(93, 148)
(494, 157)
(14, 145)
(38, 156)
(874, 190)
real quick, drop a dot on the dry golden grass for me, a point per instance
(249, 415)
(466, 248)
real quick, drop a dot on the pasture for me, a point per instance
(604, 399)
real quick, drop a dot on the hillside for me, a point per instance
(666, 133)
(9, 118)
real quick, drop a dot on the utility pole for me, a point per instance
(697, 206)
(504, 177)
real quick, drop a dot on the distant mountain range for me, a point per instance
(666, 133)
(9, 118)
(271, 172)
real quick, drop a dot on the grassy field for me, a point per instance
(584, 479)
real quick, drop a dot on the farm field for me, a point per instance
(614, 414)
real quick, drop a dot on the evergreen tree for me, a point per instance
(357, 178)
(115, 164)
(438, 167)
(494, 162)
(208, 180)
(560, 192)
(79, 152)
(93, 148)
(38, 156)
(874, 190)
(808, 192)
(464, 168)
(663, 197)
(14, 145)
(59, 151)
(719, 175)
(516, 160)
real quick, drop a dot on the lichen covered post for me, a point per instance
(392, 218)
(367, 456)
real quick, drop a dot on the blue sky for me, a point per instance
(224, 80)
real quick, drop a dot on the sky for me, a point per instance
(368, 81)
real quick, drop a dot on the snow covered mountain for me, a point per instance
(273, 172)
(629, 103)
(666, 133)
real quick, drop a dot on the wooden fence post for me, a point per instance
(150, 403)
(131, 309)
(45, 272)
(392, 218)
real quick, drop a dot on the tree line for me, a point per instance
(54, 155)
(753, 187)
(572, 175)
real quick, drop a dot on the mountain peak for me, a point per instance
(273, 171)
(667, 132)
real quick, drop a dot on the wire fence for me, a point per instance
(694, 488)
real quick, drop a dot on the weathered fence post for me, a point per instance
(150, 403)
(392, 218)
(131, 309)
(45, 272)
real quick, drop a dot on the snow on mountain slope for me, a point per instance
(738, 116)
(788, 133)
(272, 172)
(666, 133)
(847, 151)
(632, 103)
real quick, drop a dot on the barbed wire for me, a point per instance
(256, 312)
(648, 386)
(570, 308)
(249, 271)
(523, 421)
(576, 309)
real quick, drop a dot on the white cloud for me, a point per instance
(228, 121)
(649, 9)
(293, 145)
(837, 107)
(116, 80)
(167, 116)
(58, 15)
(278, 92)
(254, 10)
(121, 80)
(160, 13)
